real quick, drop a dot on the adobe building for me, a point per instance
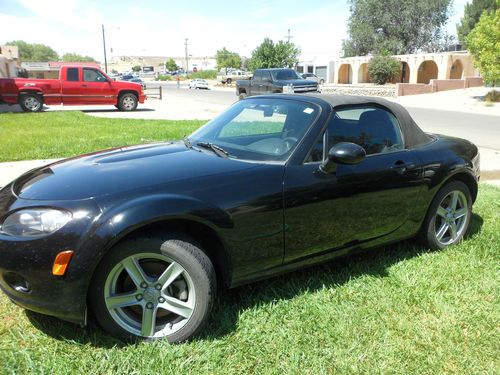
(415, 68)
(9, 59)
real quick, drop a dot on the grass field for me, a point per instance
(401, 309)
(26, 136)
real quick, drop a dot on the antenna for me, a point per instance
(288, 36)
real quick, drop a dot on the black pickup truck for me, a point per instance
(268, 81)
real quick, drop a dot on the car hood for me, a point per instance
(297, 82)
(120, 170)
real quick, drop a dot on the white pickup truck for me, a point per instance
(232, 75)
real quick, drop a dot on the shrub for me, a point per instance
(493, 96)
(164, 77)
(204, 74)
(383, 69)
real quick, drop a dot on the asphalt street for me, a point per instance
(483, 130)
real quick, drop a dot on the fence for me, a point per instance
(154, 92)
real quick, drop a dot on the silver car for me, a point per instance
(198, 83)
(313, 77)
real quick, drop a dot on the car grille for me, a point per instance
(305, 88)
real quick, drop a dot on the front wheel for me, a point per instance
(154, 288)
(31, 102)
(127, 102)
(448, 217)
(228, 81)
(242, 96)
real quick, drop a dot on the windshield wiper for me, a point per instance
(187, 142)
(216, 149)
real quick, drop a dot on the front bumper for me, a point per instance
(142, 98)
(26, 263)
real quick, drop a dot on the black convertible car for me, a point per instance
(140, 237)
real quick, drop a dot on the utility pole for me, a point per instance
(186, 51)
(104, 45)
(288, 36)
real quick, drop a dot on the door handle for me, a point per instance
(84, 85)
(401, 167)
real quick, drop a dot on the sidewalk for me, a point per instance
(490, 167)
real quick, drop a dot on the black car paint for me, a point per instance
(264, 218)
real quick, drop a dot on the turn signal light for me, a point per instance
(61, 262)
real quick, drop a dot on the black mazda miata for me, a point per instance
(140, 237)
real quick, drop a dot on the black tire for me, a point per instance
(321, 81)
(127, 102)
(31, 102)
(198, 278)
(434, 220)
(242, 95)
(228, 81)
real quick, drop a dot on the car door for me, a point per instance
(71, 86)
(256, 83)
(356, 203)
(96, 88)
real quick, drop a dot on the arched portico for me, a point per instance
(363, 76)
(345, 73)
(427, 70)
(456, 70)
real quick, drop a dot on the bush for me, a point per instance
(493, 96)
(164, 77)
(136, 68)
(383, 69)
(204, 74)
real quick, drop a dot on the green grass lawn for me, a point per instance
(401, 309)
(26, 136)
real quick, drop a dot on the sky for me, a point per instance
(159, 28)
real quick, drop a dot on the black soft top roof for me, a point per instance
(413, 135)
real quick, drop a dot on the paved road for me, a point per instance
(483, 130)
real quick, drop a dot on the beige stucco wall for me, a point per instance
(448, 65)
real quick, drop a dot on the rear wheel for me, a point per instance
(228, 81)
(127, 102)
(31, 102)
(154, 288)
(449, 216)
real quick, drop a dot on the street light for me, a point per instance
(104, 45)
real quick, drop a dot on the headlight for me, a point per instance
(34, 222)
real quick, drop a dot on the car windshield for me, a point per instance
(258, 129)
(285, 75)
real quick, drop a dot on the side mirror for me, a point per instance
(343, 153)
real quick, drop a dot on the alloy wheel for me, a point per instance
(149, 295)
(451, 217)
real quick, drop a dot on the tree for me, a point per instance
(74, 57)
(472, 13)
(227, 59)
(34, 52)
(394, 26)
(271, 55)
(383, 68)
(484, 45)
(170, 65)
(136, 68)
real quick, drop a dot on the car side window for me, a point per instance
(257, 76)
(72, 74)
(373, 128)
(92, 75)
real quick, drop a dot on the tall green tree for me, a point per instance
(484, 44)
(170, 65)
(227, 59)
(472, 13)
(75, 57)
(274, 55)
(394, 26)
(34, 51)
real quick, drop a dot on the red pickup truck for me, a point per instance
(77, 85)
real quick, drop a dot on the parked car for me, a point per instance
(232, 76)
(139, 81)
(267, 81)
(313, 77)
(127, 77)
(77, 85)
(198, 83)
(141, 237)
